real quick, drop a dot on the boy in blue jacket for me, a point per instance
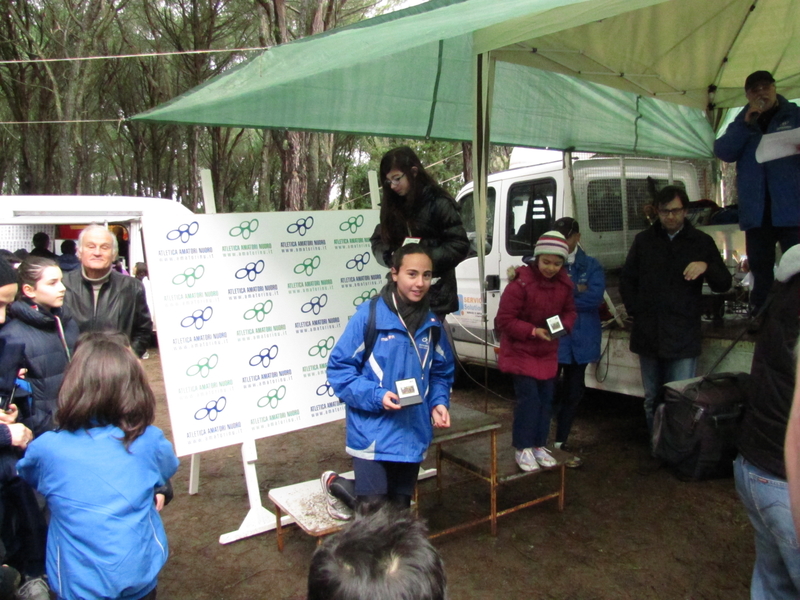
(393, 391)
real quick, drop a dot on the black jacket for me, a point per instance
(771, 384)
(121, 306)
(438, 225)
(666, 309)
(45, 356)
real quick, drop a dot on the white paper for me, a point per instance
(778, 145)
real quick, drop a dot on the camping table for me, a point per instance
(497, 467)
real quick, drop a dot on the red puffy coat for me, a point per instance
(528, 301)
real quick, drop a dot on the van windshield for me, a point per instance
(467, 209)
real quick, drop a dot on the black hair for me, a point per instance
(405, 250)
(667, 194)
(397, 212)
(69, 247)
(40, 239)
(566, 226)
(385, 555)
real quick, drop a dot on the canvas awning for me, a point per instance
(622, 76)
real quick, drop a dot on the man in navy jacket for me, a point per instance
(769, 192)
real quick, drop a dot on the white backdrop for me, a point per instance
(249, 307)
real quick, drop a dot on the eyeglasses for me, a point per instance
(672, 212)
(394, 180)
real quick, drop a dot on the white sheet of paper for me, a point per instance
(778, 145)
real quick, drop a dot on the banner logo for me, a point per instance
(301, 226)
(352, 224)
(251, 270)
(198, 318)
(323, 347)
(272, 398)
(211, 409)
(189, 276)
(184, 232)
(265, 357)
(203, 366)
(244, 229)
(308, 266)
(259, 311)
(315, 304)
(358, 261)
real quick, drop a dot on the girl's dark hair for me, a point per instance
(30, 271)
(397, 212)
(405, 250)
(105, 385)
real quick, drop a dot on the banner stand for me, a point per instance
(194, 474)
(258, 519)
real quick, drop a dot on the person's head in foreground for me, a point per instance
(412, 270)
(382, 556)
(550, 252)
(105, 385)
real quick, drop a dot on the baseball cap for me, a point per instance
(758, 77)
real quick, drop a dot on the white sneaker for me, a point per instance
(544, 458)
(336, 508)
(526, 460)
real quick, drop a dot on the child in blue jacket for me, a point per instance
(99, 472)
(387, 433)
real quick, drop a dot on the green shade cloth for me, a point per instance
(617, 76)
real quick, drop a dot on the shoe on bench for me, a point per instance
(525, 459)
(336, 508)
(544, 458)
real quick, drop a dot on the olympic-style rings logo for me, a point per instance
(308, 266)
(364, 297)
(203, 366)
(244, 229)
(352, 224)
(184, 232)
(251, 270)
(211, 409)
(265, 357)
(198, 318)
(259, 311)
(301, 226)
(272, 398)
(325, 389)
(189, 276)
(315, 304)
(358, 261)
(323, 347)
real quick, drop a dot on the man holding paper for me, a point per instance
(769, 192)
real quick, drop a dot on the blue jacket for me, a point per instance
(45, 356)
(374, 433)
(105, 539)
(782, 176)
(582, 344)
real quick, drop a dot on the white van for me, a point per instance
(606, 196)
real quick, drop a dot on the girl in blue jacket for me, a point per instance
(99, 472)
(40, 322)
(393, 394)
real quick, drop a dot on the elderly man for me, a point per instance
(662, 285)
(102, 299)
(769, 192)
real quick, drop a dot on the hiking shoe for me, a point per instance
(544, 458)
(34, 589)
(336, 508)
(573, 462)
(525, 459)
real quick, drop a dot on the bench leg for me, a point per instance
(278, 528)
(493, 481)
(563, 488)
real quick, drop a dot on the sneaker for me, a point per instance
(525, 459)
(573, 462)
(34, 589)
(336, 508)
(544, 458)
(145, 356)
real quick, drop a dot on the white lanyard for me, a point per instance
(411, 337)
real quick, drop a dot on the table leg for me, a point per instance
(439, 473)
(563, 487)
(493, 481)
(278, 528)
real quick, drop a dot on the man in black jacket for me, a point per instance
(661, 285)
(102, 299)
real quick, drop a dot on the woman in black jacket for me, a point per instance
(39, 320)
(416, 209)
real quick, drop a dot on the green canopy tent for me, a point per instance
(619, 76)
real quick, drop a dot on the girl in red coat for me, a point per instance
(539, 290)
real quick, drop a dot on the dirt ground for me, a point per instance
(627, 532)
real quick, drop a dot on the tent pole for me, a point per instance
(483, 77)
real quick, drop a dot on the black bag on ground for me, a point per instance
(695, 423)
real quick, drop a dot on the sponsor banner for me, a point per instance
(249, 306)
